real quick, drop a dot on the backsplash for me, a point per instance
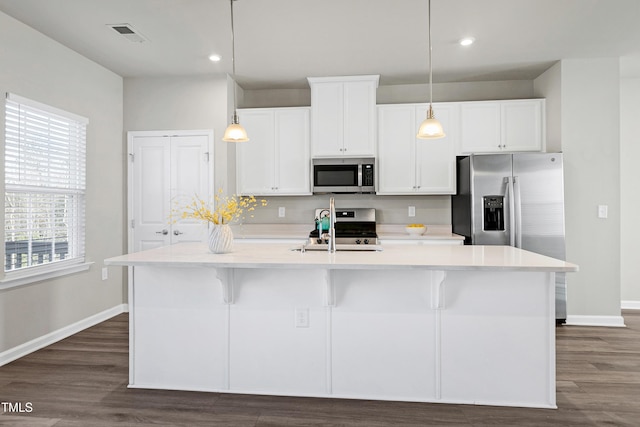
(389, 209)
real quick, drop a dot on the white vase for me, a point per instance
(220, 238)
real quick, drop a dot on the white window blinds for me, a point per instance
(45, 152)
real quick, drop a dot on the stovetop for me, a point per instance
(353, 226)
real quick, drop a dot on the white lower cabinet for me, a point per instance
(502, 126)
(276, 160)
(456, 336)
(408, 165)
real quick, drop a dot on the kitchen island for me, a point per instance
(450, 324)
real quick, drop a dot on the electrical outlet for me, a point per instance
(105, 273)
(302, 317)
(412, 211)
(603, 211)
(281, 212)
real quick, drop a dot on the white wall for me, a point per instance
(629, 190)
(590, 111)
(34, 66)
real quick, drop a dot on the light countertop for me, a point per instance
(301, 231)
(281, 255)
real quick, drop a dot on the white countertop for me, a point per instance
(281, 255)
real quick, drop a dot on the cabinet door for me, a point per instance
(436, 158)
(522, 125)
(327, 118)
(480, 127)
(255, 158)
(292, 160)
(359, 119)
(396, 147)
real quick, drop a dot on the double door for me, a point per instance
(502, 126)
(166, 170)
(407, 165)
(276, 159)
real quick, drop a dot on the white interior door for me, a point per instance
(189, 178)
(165, 172)
(150, 194)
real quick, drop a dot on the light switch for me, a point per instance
(412, 211)
(603, 211)
(281, 212)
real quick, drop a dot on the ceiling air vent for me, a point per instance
(128, 32)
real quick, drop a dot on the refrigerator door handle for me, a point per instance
(511, 203)
(518, 211)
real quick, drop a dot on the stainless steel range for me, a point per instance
(356, 226)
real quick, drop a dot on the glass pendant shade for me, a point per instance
(235, 132)
(430, 128)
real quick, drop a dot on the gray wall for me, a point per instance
(180, 103)
(590, 98)
(34, 66)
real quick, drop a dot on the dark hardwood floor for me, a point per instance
(82, 382)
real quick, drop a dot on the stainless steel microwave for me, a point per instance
(344, 175)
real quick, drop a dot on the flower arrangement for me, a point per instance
(228, 209)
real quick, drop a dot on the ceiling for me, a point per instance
(281, 42)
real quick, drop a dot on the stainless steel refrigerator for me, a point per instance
(517, 200)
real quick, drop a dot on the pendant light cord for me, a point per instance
(234, 119)
(233, 43)
(430, 67)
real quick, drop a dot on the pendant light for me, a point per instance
(430, 128)
(234, 132)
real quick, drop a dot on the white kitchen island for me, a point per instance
(450, 324)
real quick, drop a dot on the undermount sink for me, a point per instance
(339, 247)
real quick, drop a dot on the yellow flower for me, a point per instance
(228, 209)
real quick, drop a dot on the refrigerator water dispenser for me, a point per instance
(493, 213)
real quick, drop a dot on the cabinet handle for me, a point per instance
(177, 233)
(163, 232)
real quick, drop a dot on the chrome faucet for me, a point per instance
(332, 226)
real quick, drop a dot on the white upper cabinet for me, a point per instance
(275, 161)
(502, 126)
(343, 116)
(408, 165)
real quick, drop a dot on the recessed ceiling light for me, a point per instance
(215, 58)
(467, 41)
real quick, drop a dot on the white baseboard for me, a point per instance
(630, 305)
(609, 321)
(62, 333)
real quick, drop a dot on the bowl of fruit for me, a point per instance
(415, 229)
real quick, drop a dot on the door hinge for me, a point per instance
(132, 157)
(133, 223)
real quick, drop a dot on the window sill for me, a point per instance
(14, 279)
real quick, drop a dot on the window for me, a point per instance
(45, 151)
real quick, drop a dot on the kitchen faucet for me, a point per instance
(332, 226)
